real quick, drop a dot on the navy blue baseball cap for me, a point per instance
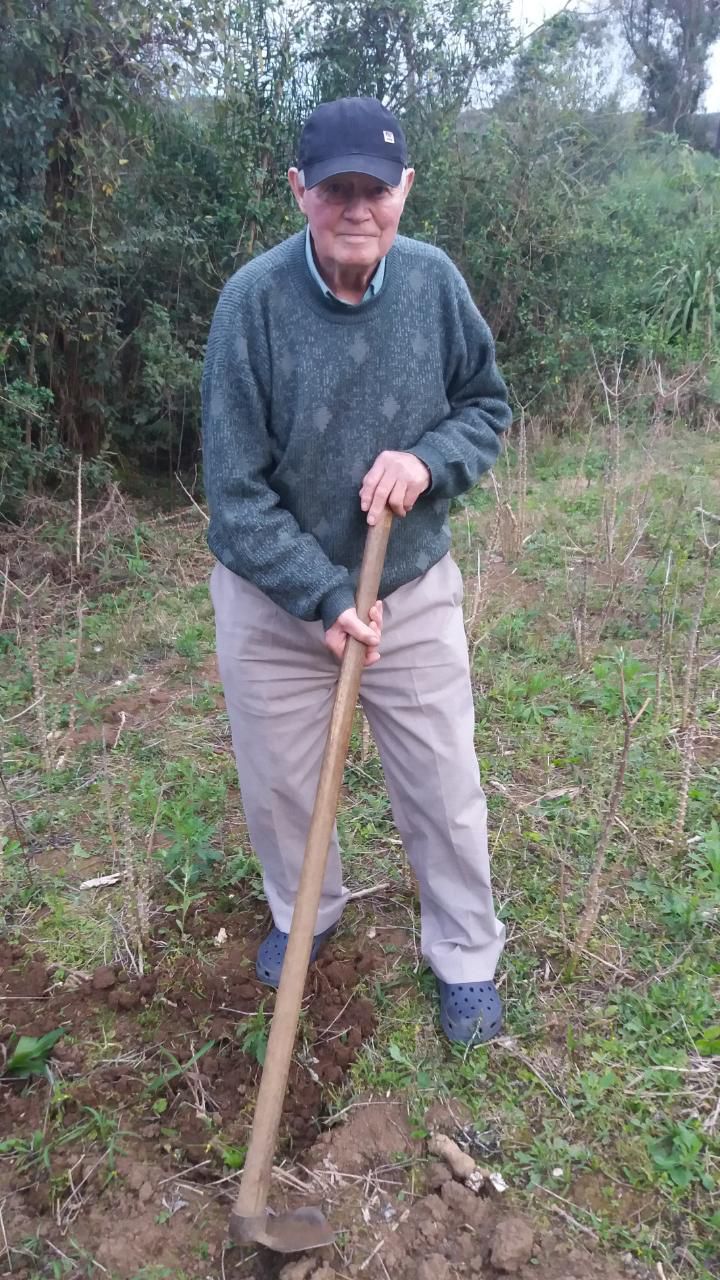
(352, 135)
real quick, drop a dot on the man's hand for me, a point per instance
(348, 624)
(395, 480)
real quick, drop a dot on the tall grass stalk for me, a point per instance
(689, 693)
(594, 895)
(662, 640)
(78, 658)
(39, 692)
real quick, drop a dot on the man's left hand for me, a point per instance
(395, 480)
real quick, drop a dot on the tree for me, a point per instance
(143, 153)
(78, 78)
(139, 150)
(562, 63)
(405, 53)
(670, 41)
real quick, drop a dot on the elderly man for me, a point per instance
(348, 368)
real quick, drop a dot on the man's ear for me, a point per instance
(409, 179)
(298, 189)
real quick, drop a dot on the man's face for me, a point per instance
(353, 218)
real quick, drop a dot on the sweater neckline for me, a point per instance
(332, 309)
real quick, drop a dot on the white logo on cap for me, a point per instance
(388, 136)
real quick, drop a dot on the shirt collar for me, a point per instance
(374, 286)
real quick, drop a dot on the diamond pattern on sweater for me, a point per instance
(359, 349)
(321, 529)
(321, 418)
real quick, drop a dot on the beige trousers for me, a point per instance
(279, 679)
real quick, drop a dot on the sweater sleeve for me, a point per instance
(467, 442)
(250, 532)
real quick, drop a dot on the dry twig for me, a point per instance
(578, 610)
(135, 870)
(6, 582)
(76, 666)
(78, 521)
(188, 494)
(594, 896)
(612, 479)
(472, 617)
(522, 478)
(691, 682)
(19, 834)
(687, 755)
(691, 662)
(46, 750)
(662, 640)
(507, 525)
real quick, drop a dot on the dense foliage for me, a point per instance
(143, 152)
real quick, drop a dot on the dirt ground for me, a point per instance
(157, 1191)
(219, 992)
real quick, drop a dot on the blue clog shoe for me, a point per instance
(272, 953)
(470, 1012)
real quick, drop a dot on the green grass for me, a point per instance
(603, 1089)
(601, 1076)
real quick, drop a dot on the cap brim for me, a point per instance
(389, 171)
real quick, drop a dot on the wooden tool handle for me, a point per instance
(255, 1185)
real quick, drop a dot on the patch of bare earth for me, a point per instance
(407, 1219)
(117, 1196)
(160, 1193)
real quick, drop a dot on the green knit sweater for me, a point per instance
(300, 395)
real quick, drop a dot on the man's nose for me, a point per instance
(358, 209)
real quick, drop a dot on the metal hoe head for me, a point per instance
(291, 1232)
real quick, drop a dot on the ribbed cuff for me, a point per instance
(435, 463)
(335, 603)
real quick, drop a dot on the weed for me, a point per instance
(178, 1069)
(234, 1157)
(181, 879)
(242, 872)
(137, 565)
(679, 1155)
(254, 1035)
(193, 643)
(31, 1053)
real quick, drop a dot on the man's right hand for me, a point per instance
(348, 624)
